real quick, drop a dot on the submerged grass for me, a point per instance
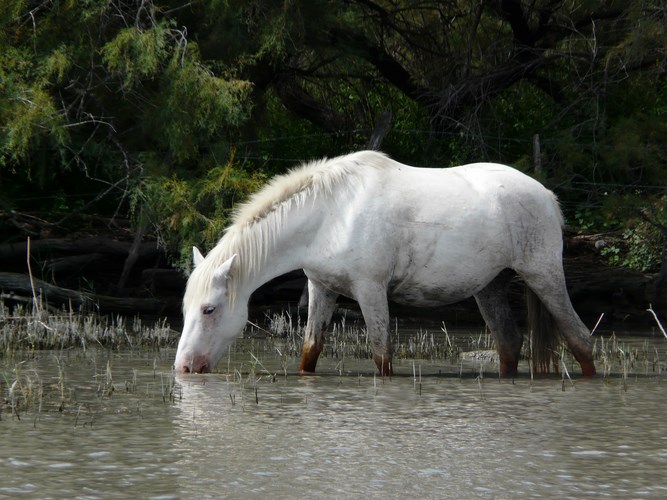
(348, 340)
(30, 333)
(41, 385)
(274, 350)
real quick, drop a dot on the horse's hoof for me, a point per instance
(588, 369)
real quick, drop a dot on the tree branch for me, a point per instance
(297, 99)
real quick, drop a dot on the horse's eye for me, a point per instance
(208, 309)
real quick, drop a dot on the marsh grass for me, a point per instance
(24, 327)
(29, 334)
(266, 352)
(348, 340)
(473, 353)
(39, 387)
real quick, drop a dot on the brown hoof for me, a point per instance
(508, 369)
(384, 366)
(588, 369)
(309, 357)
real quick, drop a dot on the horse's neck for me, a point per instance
(287, 250)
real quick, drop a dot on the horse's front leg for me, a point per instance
(321, 305)
(372, 300)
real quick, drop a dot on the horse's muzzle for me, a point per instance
(196, 364)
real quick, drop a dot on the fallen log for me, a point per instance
(87, 245)
(19, 284)
(74, 264)
(159, 280)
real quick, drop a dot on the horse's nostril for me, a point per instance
(193, 364)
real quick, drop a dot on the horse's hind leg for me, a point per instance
(494, 306)
(549, 286)
(321, 305)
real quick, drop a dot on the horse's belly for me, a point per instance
(446, 286)
(427, 297)
(428, 294)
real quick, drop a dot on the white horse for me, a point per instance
(367, 227)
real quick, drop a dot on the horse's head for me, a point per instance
(210, 320)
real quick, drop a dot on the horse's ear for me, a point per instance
(222, 272)
(197, 256)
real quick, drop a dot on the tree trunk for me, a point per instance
(380, 131)
(132, 257)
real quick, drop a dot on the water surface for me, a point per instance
(128, 427)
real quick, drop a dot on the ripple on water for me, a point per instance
(345, 436)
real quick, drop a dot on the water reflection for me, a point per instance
(333, 436)
(459, 438)
(99, 445)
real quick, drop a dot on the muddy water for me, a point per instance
(128, 428)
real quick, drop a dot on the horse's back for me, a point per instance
(464, 194)
(484, 179)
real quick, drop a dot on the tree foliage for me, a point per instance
(115, 104)
(193, 212)
(103, 93)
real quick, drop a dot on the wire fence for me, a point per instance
(272, 151)
(257, 151)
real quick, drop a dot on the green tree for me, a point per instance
(147, 101)
(98, 95)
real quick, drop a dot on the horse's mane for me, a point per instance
(256, 223)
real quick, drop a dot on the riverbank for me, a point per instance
(117, 274)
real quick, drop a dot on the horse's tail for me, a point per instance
(544, 335)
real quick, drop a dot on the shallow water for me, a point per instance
(129, 428)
